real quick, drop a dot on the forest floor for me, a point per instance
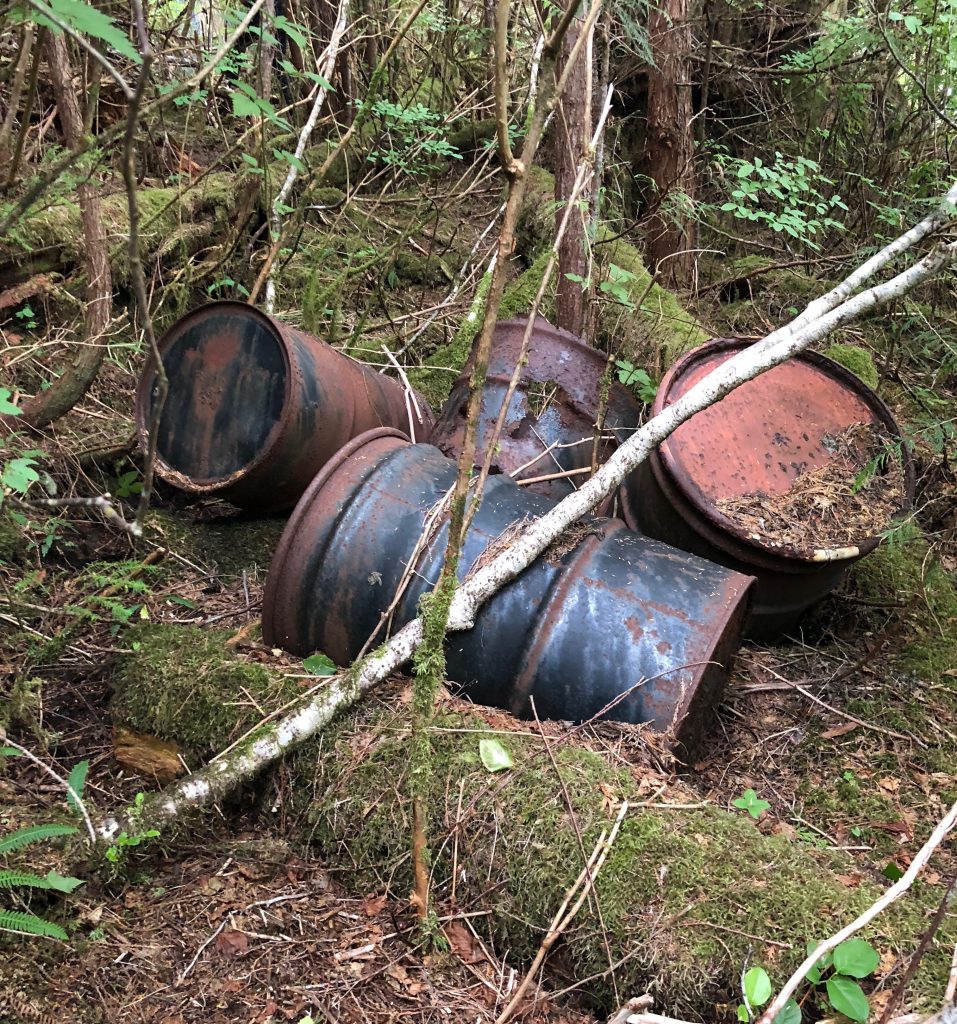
(847, 732)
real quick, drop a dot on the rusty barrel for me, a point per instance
(255, 407)
(551, 417)
(606, 623)
(782, 426)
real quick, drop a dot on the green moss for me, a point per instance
(680, 893)
(903, 578)
(227, 545)
(14, 546)
(169, 219)
(857, 360)
(535, 226)
(183, 684)
(661, 330)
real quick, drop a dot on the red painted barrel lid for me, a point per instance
(766, 433)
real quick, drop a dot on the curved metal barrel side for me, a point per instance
(556, 403)
(614, 614)
(758, 442)
(255, 407)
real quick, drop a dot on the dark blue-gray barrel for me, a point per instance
(606, 624)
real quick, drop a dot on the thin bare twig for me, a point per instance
(65, 783)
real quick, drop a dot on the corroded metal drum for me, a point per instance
(255, 408)
(551, 418)
(607, 623)
(782, 426)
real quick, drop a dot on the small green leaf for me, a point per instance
(319, 665)
(749, 801)
(494, 756)
(757, 986)
(856, 958)
(892, 871)
(847, 997)
(182, 601)
(743, 1014)
(18, 474)
(77, 780)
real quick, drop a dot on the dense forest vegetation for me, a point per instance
(366, 844)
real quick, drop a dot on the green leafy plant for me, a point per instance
(839, 971)
(319, 665)
(750, 802)
(129, 839)
(637, 379)
(27, 317)
(22, 922)
(416, 136)
(785, 195)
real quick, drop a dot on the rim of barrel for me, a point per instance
(275, 576)
(666, 469)
(200, 484)
(711, 676)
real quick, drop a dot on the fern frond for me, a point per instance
(33, 834)
(30, 924)
(76, 780)
(16, 879)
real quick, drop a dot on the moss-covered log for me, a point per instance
(688, 895)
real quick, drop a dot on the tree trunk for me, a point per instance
(572, 134)
(81, 369)
(670, 144)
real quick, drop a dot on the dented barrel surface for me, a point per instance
(757, 440)
(551, 417)
(605, 622)
(255, 407)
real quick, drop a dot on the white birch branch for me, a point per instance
(327, 63)
(932, 223)
(210, 783)
(893, 893)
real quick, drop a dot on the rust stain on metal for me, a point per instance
(556, 403)
(576, 632)
(255, 407)
(757, 440)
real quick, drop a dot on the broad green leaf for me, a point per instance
(7, 408)
(77, 780)
(62, 883)
(743, 1014)
(790, 1013)
(243, 105)
(757, 986)
(18, 474)
(291, 29)
(9, 752)
(847, 997)
(86, 19)
(856, 958)
(319, 665)
(749, 801)
(494, 756)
